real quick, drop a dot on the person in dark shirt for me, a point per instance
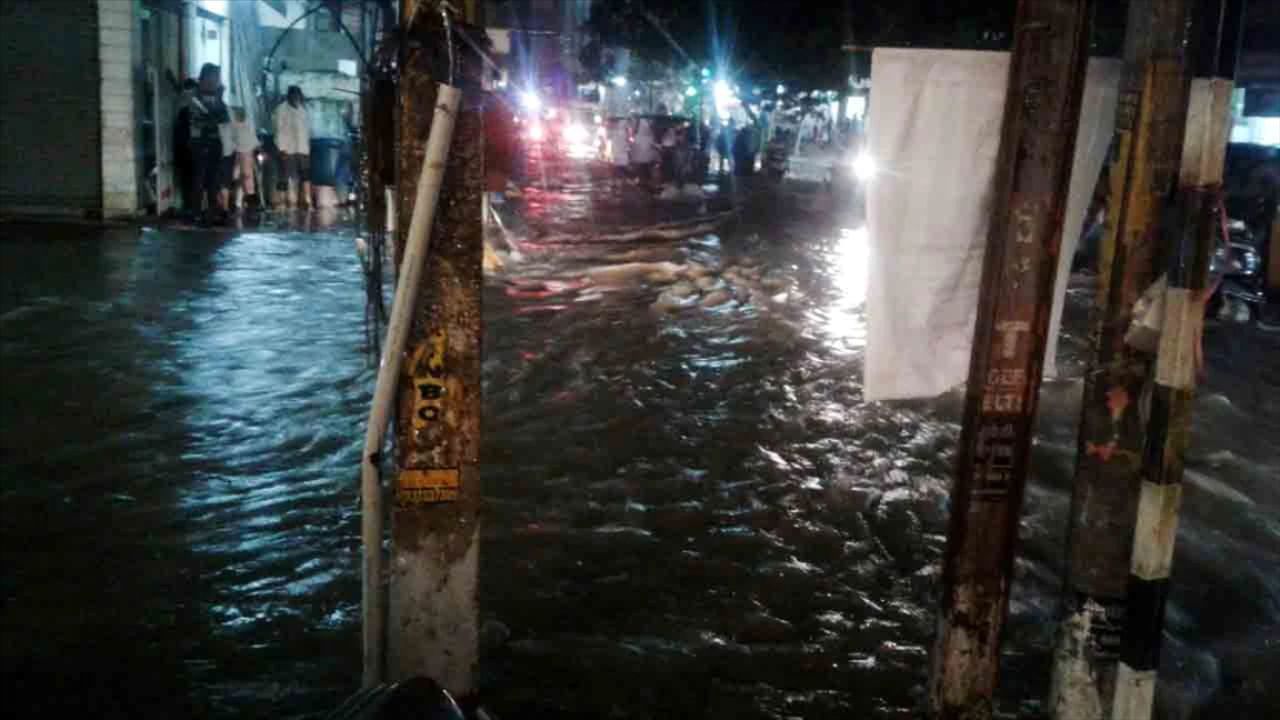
(208, 113)
(182, 160)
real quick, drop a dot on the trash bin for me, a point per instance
(326, 153)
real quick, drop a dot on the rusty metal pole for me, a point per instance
(1208, 127)
(1042, 108)
(1143, 171)
(435, 534)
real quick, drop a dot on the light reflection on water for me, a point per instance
(845, 314)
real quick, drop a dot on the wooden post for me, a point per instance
(1144, 168)
(1046, 81)
(433, 623)
(1208, 127)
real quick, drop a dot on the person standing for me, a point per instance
(724, 145)
(667, 170)
(644, 151)
(744, 151)
(227, 169)
(499, 140)
(182, 159)
(619, 146)
(208, 115)
(293, 138)
(246, 145)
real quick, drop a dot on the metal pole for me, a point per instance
(435, 533)
(1046, 81)
(1146, 148)
(1208, 127)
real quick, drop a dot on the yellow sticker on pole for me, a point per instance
(430, 385)
(421, 487)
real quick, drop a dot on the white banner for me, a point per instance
(934, 129)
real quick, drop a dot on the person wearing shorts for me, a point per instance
(297, 169)
(293, 138)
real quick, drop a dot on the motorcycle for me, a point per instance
(1240, 291)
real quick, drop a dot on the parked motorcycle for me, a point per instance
(1241, 286)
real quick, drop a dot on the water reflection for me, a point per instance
(697, 499)
(849, 264)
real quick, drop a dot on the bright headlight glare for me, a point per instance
(865, 167)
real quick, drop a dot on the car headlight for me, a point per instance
(865, 167)
(575, 133)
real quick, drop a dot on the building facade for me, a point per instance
(91, 88)
(68, 130)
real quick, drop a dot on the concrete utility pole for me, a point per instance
(1146, 149)
(1208, 128)
(433, 627)
(1042, 108)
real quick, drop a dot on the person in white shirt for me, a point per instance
(619, 145)
(293, 138)
(644, 151)
(227, 169)
(245, 140)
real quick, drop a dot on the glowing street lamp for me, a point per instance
(530, 101)
(619, 81)
(722, 96)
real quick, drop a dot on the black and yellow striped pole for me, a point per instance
(1142, 175)
(1216, 28)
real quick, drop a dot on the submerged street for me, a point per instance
(690, 511)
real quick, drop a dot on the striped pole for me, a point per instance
(1204, 150)
(1161, 493)
(1104, 499)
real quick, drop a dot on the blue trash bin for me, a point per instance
(326, 153)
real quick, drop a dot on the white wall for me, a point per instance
(207, 45)
(118, 58)
(293, 9)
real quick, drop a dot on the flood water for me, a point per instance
(690, 511)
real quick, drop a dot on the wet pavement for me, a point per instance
(690, 510)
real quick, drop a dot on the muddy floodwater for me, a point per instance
(690, 511)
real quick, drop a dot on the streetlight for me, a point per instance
(722, 96)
